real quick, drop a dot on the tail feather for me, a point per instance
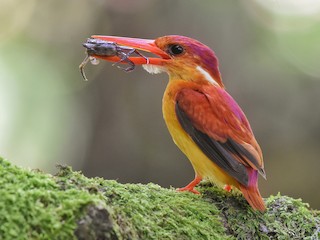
(251, 192)
(253, 197)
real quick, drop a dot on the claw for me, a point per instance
(228, 188)
(191, 185)
(184, 189)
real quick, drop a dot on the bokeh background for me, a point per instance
(112, 126)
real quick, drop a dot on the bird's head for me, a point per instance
(181, 57)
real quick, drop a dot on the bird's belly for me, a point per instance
(202, 165)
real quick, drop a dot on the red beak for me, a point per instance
(147, 45)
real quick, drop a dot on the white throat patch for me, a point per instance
(207, 76)
(153, 69)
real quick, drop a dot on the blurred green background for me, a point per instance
(112, 126)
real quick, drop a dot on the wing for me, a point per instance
(218, 126)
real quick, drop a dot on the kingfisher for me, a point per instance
(205, 122)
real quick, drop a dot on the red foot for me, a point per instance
(191, 185)
(188, 189)
(228, 188)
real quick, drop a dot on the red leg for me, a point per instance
(228, 188)
(191, 185)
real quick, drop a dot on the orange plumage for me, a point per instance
(204, 121)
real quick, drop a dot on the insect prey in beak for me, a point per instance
(97, 47)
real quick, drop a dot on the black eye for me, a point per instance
(175, 49)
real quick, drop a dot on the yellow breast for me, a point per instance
(202, 165)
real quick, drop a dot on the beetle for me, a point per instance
(108, 49)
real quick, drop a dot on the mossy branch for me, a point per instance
(35, 205)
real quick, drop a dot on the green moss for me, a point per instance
(285, 218)
(291, 218)
(34, 205)
(151, 212)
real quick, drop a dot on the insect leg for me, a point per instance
(82, 65)
(141, 55)
(136, 52)
(131, 67)
(124, 57)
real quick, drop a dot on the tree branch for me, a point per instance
(35, 205)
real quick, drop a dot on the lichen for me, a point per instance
(35, 205)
